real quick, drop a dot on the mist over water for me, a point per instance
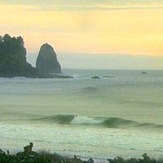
(118, 114)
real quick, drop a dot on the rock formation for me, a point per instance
(47, 64)
(13, 58)
(95, 77)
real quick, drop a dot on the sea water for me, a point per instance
(120, 114)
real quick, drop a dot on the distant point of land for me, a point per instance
(13, 60)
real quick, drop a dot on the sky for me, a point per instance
(98, 34)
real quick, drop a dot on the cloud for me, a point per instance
(76, 5)
(102, 8)
(121, 30)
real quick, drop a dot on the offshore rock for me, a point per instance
(47, 64)
(95, 77)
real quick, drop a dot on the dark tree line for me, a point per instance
(13, 57)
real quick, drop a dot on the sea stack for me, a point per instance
(47, 64)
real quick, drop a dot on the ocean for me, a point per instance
(120, 114)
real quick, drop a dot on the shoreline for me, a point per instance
(43, 156)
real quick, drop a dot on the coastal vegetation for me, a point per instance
(29, 156)
(13, 58)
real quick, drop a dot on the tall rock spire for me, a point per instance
(47, 63)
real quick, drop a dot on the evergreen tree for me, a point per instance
(13, 57)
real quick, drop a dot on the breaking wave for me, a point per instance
(110, 122)
(61, 119)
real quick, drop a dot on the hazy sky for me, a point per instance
(89, 33)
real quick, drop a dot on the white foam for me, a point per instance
(85, 142)
(84, 120)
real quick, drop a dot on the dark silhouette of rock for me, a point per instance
(27, 151)
(47, 64)
(13, 58)
(146, 158)
(143, 72)
(95, 77)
